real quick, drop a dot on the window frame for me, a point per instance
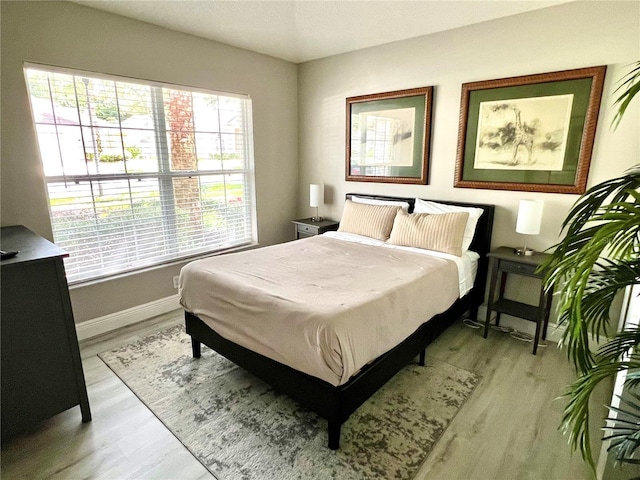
(164, 174)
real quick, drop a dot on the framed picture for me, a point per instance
(388, 136)
(532, 133)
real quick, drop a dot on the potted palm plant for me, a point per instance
(598, 258)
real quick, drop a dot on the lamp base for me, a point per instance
(523, 251)
(317, 219)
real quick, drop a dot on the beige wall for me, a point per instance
(74, 36)
(569, 36)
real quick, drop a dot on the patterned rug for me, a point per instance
(239, 428)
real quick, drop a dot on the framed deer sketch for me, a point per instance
(531, 133)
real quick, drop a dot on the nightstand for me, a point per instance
(504, 261)
(305, 227)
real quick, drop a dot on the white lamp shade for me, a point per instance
(529, 217)
(316, 195)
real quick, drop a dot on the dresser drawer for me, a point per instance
(307, 229)
(520, 268)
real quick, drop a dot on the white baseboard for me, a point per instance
(554, 331)
(98, 326)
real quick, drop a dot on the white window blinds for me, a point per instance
(141, 173)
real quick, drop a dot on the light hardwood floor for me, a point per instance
(508, 428)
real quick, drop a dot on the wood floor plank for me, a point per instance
(507, 429)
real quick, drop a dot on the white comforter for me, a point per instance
(467, 264)
(321, 305)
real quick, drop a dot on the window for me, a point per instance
(384, 141)
(141, 173)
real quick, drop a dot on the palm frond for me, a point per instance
(621, 344)
(613, 190)
(633, 377)
(601, 239)
(605, 281)
(575, 419)
(625, 428)
(630, 86)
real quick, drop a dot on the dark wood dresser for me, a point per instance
(40, 359)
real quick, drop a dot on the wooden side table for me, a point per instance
(306, 227)
(504, 261)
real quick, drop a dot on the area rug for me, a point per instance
(240, 428)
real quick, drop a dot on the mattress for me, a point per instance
(324, 306)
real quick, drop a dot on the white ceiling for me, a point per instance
(302, 30)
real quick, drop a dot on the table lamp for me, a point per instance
(529, 221)
(316, 198)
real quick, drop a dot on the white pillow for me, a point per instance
(372, 201)
(425, 206)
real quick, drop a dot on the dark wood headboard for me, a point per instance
(481, 241)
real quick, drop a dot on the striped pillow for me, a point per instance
(443, 232)
(373, 221)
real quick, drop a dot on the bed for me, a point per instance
(329, 319)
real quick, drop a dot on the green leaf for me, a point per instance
(629, 88)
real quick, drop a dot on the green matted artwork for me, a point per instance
(531, 133)
(388, 136)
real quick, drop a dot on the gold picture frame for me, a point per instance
(530, 133)
(388, 136)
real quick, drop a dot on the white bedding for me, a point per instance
(322, 305)
(467, 264)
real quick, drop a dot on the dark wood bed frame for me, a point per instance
(335, 404)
